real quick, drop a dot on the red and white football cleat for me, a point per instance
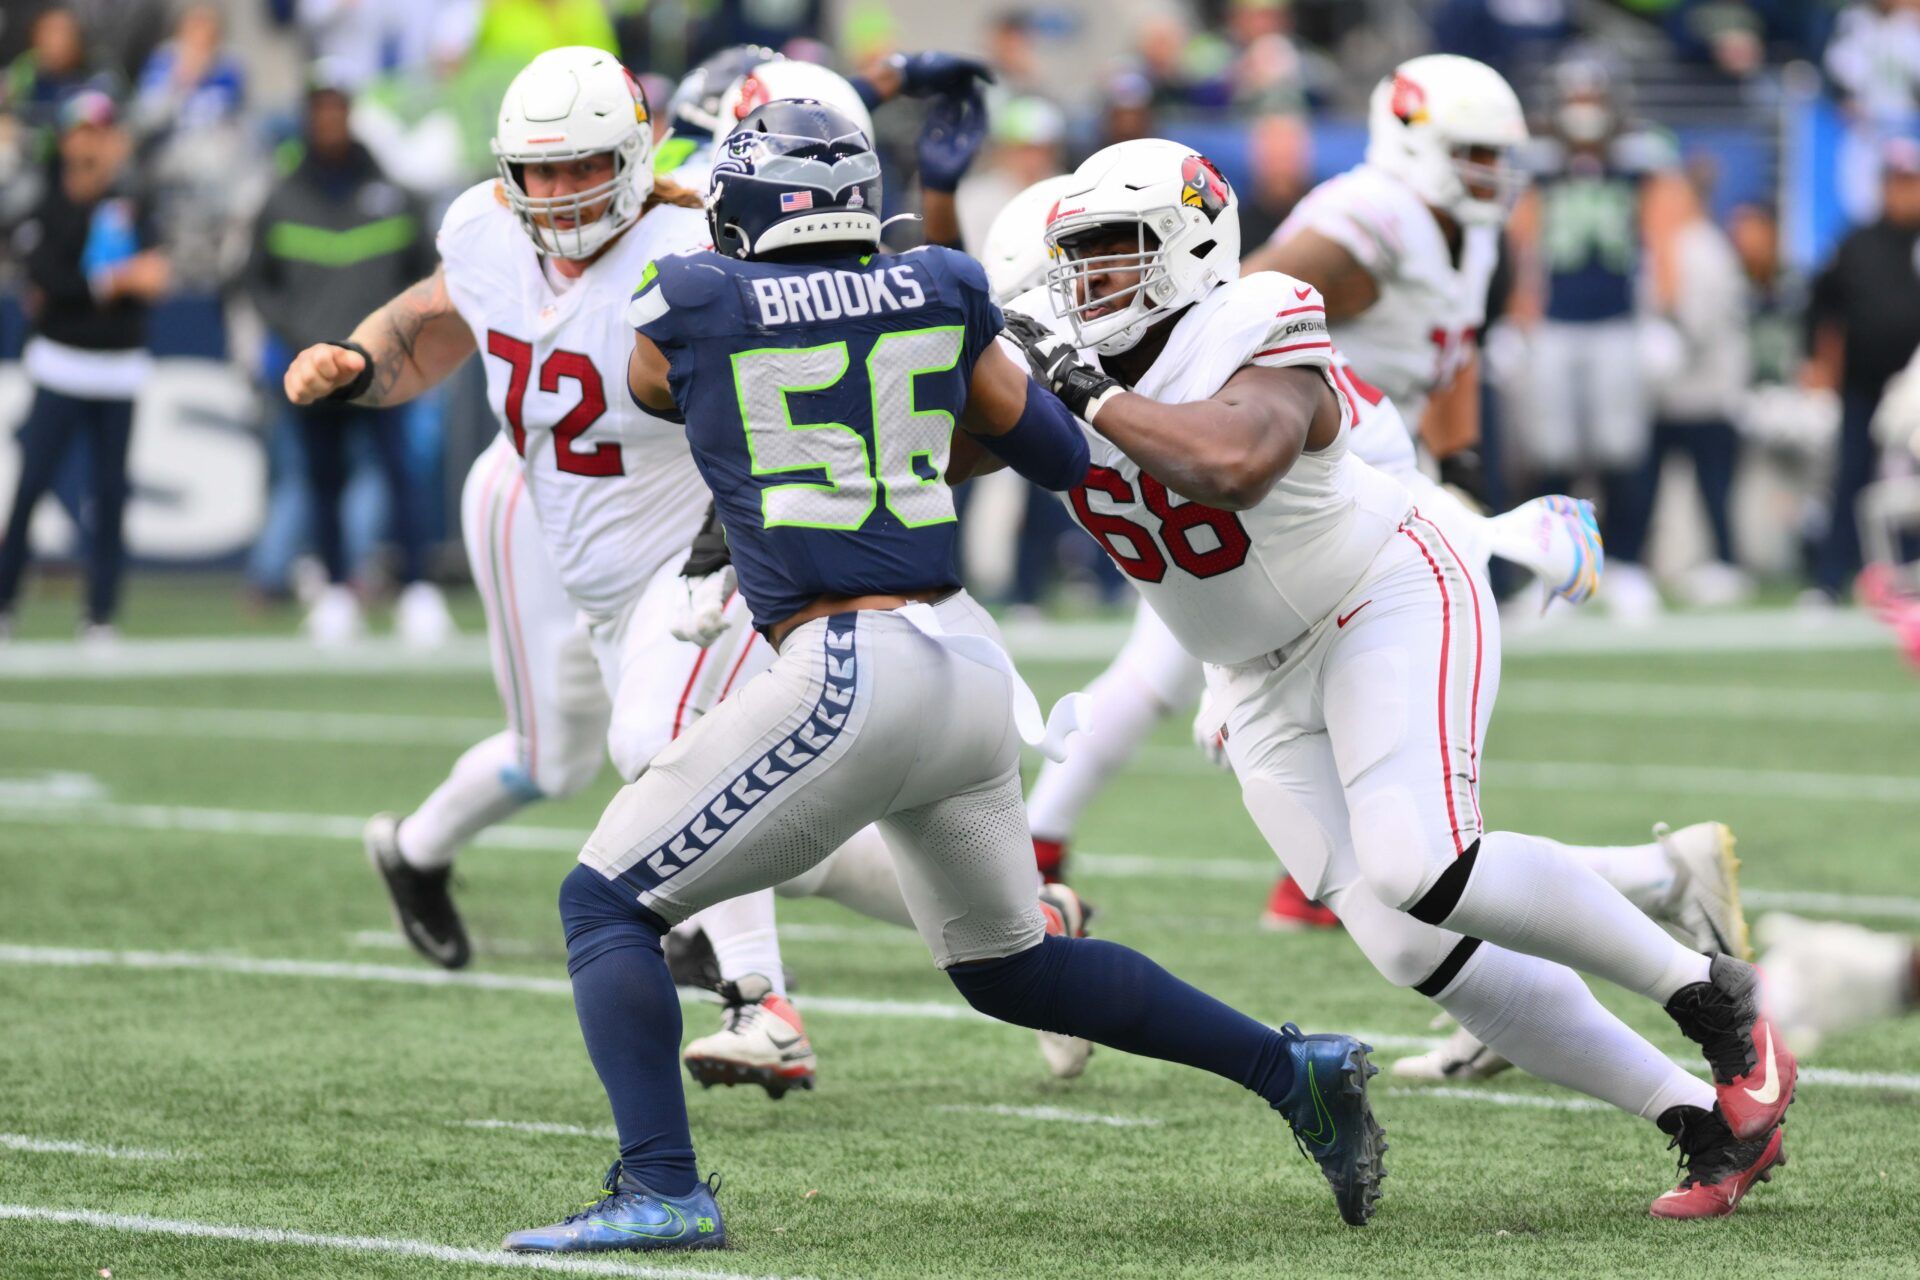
(1718, 1169)
(1753, 1070)
(760, 1041)
(1289, 909)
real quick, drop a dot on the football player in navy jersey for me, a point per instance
(821, 382)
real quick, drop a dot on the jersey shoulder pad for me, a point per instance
(682, 282)
(1284, 319)
(1365, 212)
(472, 210)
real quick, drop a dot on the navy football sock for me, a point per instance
(630, 1015)
(1115, 996)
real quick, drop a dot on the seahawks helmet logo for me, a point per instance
(1203, 188)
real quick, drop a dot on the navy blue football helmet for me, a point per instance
(792, 174)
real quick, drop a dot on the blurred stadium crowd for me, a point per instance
(1712, 283)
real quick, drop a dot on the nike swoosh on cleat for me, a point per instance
(664, 1231)
(1769, 1091)
(1323, 1119)
(1343, 621)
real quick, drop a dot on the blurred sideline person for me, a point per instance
(1577, 240)
(1865, 319)
(1703, 302)
(579, 521)
(335, 238)
(91, 272)
(1354, 657)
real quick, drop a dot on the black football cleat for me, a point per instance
(1717, 1168)
(1753, 1070)
(422, 905)
(1333, 1121)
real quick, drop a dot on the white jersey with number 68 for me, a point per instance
(1232, 585)
(614, 486)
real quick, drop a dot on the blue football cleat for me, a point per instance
(1332, 1120)
(629, 1216)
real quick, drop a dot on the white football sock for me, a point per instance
(1641, 872)
(479, 792)
(1122, 713)
(859, 875)
(744, 938)
(1541, 1017)
(1533, 896)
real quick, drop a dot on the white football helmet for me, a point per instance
(568, 104)
(789, 79)
(1186, 221)
(1015, 253)
(1424, 118)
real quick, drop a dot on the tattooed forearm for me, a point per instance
(415, 340)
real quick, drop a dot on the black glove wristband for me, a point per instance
(1080, 387)
(1465, 471)
(361, 381)
(709, 553)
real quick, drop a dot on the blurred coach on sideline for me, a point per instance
(91, 272)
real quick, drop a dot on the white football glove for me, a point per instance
(1210, 732)
(701, 615)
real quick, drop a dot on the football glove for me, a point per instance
(923, 75)
(1057, 366)
(956, 125)
(1465, 474)
(1210, 732)
(707, 583)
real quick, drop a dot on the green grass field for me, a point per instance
(205, 1019)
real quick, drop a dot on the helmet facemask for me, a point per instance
(1499, 175)
(1124, 315)
(597, 214)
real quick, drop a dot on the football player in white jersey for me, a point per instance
(1397, 212)
(1354, 655)
(1403, 248)
(582, 653)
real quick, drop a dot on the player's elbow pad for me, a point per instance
(1046, 445)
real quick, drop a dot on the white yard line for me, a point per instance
(1734, 631)
(1557, 697)
(58, 1146)
(58, 811)
(336, 971)
(245, 724)
(1785, 785)
(1496, 1098)
(1741, 702)
(853, 1006)
(1873, 905)
(541, 1127)
(1060, 1115)
(357, 1244)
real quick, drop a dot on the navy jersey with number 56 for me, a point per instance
(820, 400)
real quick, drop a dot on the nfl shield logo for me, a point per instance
(792, 200)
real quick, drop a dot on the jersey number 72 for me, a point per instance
(604, 459)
